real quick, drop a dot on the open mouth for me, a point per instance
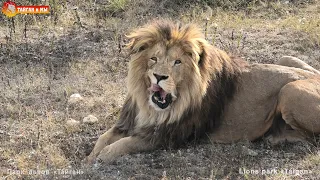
(160, 97)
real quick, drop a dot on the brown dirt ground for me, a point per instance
(39, 72)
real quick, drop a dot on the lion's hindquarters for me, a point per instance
(299, 104)
(297, 63)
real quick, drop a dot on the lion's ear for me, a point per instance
(194, 55)
(201, 57)
(136, 46)
(202, 51)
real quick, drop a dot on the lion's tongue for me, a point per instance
(156, 88)
(163, 94)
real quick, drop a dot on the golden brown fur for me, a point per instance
(180, 88)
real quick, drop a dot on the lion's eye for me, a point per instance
(177, 62)
(154, 59)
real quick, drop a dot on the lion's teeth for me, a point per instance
(160, 100)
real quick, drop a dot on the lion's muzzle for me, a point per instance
(160, 97)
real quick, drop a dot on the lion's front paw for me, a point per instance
(89, 160)
(108, 154)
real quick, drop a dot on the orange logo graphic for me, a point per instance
(10, 9)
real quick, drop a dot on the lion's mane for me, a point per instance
(202, 97)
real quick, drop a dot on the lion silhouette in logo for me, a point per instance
(11, 8)
(181, 88)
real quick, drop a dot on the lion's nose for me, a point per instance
(160, 77)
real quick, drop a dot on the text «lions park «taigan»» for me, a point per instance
(225, 90)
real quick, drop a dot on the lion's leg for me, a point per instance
(297, 63)
(287, 136)
(109, 137)
(127, 145)
(283, 132)
(299, 106)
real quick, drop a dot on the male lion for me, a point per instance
(181, 88)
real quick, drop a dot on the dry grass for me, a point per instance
(43, 60)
